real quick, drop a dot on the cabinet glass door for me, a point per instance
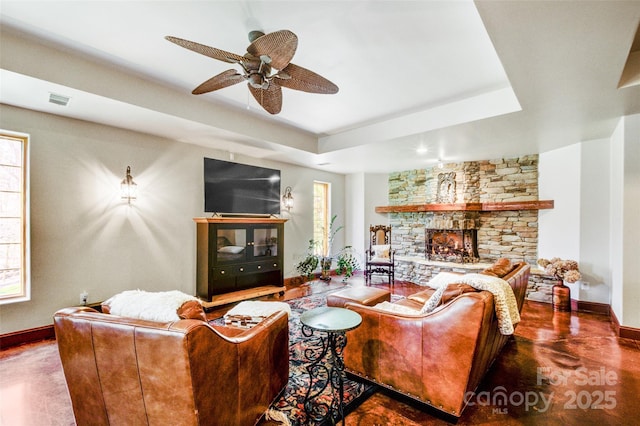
(231, 244)
(265, 242)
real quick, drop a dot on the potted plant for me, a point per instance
(347, 262)
(347, 258)
(309, 262)
(327, 259)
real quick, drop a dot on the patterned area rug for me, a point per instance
(291, 403)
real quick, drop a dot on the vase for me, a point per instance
(561, 297)
(325, 264)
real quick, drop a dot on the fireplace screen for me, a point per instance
(452, 245)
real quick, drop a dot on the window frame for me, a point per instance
(24, 294)
(322, 244)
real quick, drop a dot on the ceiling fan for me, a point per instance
(266, 67)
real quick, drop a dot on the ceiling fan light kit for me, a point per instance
(266, 67)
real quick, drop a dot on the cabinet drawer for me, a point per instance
(225, 272)
(267, 265)
(247, 268)
(257, 267)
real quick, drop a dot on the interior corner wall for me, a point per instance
(354, 202)
(559, 180)
(623, 230)
(594, 223)
(616, 180)
(365, 191)
(630, 231)
(85, 238)
(376, 194)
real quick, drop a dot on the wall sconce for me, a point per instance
(287, 199)
(128, 188)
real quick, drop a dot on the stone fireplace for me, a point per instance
(452, 245)
(452, 237)
(456, 223)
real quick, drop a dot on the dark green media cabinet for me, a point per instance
(239, 255)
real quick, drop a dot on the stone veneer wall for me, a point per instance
(540, 286)
(510, 234)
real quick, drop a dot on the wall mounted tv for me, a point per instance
(232, 188)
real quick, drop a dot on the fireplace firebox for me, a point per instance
(452, 245)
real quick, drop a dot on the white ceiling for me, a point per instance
(465, 80)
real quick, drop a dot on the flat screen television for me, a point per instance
(233, 188)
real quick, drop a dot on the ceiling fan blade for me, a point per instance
(280, 46)
(270, 98)
(305, 80)
(220, 81)
(209, 51)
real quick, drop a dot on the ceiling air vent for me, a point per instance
(58, 99)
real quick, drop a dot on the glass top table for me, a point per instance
(326, 365)
(331, 319)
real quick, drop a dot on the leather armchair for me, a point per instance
(126, 371)
(437, 358)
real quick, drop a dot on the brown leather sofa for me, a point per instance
(437, 358)
(123, 371)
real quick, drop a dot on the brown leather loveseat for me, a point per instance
(437, 358)
(124, 371)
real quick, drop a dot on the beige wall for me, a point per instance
(84, 238)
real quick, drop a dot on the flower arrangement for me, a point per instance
(565, 270)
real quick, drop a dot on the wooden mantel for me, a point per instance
(479, 207)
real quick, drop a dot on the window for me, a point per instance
(14, 218)
(321, 216)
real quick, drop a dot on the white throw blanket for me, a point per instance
(151, 306)
(256, 308)
(504, 300)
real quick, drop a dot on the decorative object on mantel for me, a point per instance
(562, 270)
(446, 192)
